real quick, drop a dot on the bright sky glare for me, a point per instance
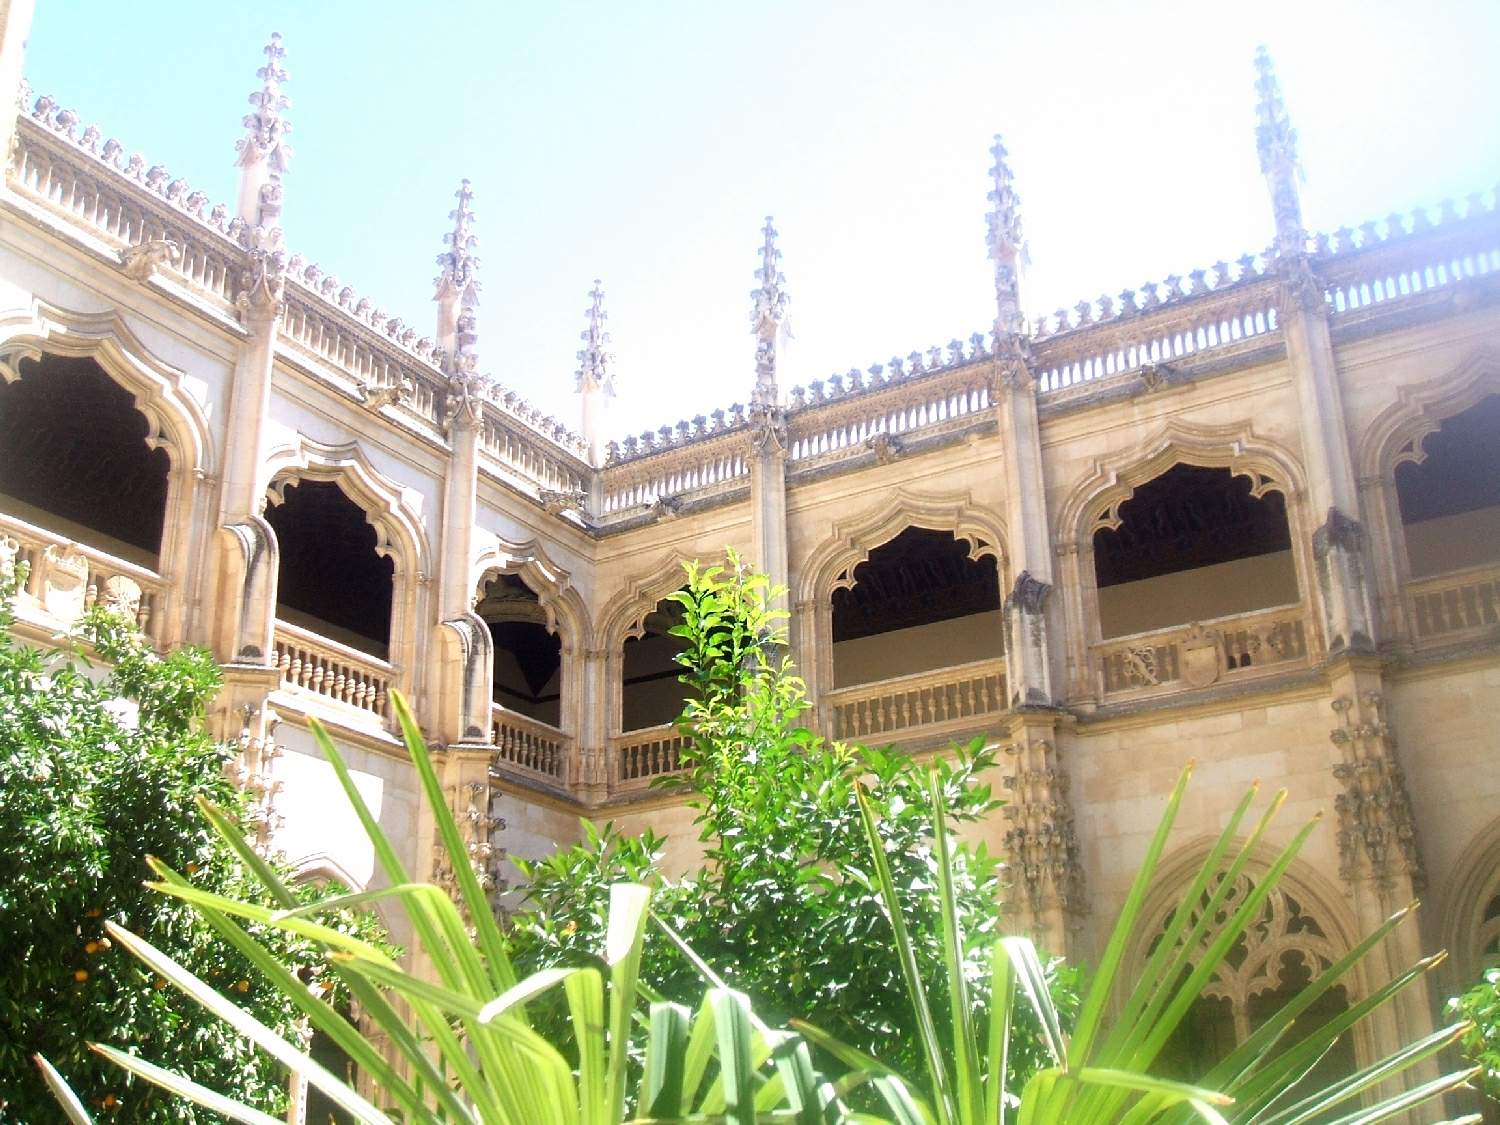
(644, 143)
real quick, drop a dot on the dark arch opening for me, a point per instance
(1450, 503)
(74, 458)
(331, 580)
(528, 655)
(918, 602)
(1193, 544)
(650, 692)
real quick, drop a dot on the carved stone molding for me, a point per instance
(1041, 844)
(1377, 831)
(1028, 594)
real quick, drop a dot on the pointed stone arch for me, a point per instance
(831, 565)
(1471, 914)
(398, 531)
(1419, 410)
(623, 617)
(566, 612)
(176, 423)
(1094, 502)
(398, 527)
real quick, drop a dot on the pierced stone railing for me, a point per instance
(711, 466)
(1403, 257)
(1458, 606)
(925, 704)
(507, 448)
(1199, 655)
(528, 747)
(878, 414)
(1206, 319)
(122, 205)
(639, 757)
(64, 579)
(335, 671)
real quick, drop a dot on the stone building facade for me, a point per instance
(1250, 516)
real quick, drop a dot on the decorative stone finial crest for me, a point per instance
(1276, 142)
(458, 287)
(595, 357)
(766, 318)
(1005, 241)
(264, 154)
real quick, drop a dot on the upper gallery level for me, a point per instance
(1212, 484)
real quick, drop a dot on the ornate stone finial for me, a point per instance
(1005, 242)
(766, 319)
(1276, 142)
(458, 287)
(264, 153)
(595, 357)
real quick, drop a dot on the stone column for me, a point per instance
(589, 773)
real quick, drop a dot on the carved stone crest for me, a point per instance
(65, 594)
(123, 596)
(1200, 657)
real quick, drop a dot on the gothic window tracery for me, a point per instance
(1448, 489)
(528, 650)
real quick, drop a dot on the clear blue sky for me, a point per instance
(643, 143)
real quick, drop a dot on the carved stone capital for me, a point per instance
(1338, 533)
(263, 281)
(768, 429)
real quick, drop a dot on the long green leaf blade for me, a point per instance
(64, 1094)
(184, 1087)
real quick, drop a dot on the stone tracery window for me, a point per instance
(1280, 952)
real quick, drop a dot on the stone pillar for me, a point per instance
(1378, 855)
(1045, 897)
(244, 585)
(589, 773)
(768, 496)
(1028, 656)
(459, 700)
(1338, 543)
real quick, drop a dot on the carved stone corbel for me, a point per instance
(141, 261)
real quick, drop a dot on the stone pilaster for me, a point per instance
(588, 777)
(768, 495)
(460, 699)
(464, 770)
(1045, 886)
(1379, 859)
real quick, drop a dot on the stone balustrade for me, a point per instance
(334, 671)
(1400, 261)
(880, 417)
(1202, 654)
(1464, 605)
(65, 579)
(528, 748)
(926, 705)
(711, 467)
(507, 449)
(639, 757)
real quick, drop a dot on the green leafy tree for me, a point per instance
(783, 906)
(102, 756)
(1481, 1005)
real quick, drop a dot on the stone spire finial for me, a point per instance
(766, 318)
(1276, 142)
(595, 358)
(264, 153)
(1005, 242)
(458, 286)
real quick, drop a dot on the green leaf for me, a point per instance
(185, 1088)
(71, 1106)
